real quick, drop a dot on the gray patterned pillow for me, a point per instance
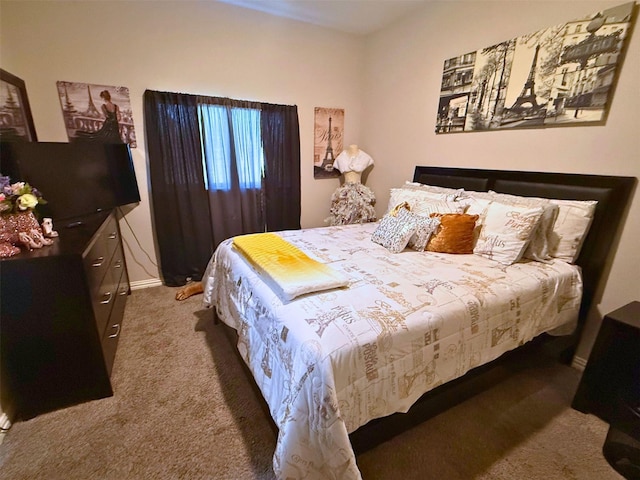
(401, 228)
(393, 232)
(425, 226)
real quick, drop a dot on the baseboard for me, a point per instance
(5, 425)
(140, 284)
(579, 363)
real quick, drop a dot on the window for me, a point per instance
(231, 146)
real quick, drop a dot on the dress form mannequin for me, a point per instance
(352, 177)
(352, 202)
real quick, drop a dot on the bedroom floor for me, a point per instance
(183, 408)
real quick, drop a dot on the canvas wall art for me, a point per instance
(328, 141)
(560, 76)
(16, 122)
(97, 112)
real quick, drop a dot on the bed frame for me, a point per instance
(612, 193)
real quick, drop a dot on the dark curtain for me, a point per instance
(281, 143)
(179, 198)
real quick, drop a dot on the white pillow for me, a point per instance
(444, 193)
(426, 207)
(541, 239)
(571, 228)
(400, 195)
(506, 231)
(539, 247)
(422, 202)
(477, 203)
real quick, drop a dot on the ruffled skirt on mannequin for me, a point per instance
(352, 203)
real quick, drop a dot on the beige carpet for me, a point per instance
(183, 409)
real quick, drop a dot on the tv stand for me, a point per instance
(61, 309)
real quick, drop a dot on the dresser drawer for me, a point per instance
(103, 299)
(117, 265)
(98, 258)
(112, 331)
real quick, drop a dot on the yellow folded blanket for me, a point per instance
(288, 267)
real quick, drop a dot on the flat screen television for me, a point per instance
(76, 179)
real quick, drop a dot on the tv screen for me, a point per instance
(76, 179)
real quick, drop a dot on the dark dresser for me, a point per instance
(61, 310)
(610, 387)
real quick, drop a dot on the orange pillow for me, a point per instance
(455, 234)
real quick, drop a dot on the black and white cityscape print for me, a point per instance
(561, 75)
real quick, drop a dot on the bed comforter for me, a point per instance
(329, 362)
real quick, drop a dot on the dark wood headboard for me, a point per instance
(612, 193)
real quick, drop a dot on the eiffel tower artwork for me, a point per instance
(91, 111)
(526, 101)
(329, 158)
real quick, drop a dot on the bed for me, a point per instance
(405, 331)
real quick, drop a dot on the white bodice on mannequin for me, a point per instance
(352, 160)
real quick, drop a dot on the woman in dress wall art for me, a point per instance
(111, 122)
(110, 130)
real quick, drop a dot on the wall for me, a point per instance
(402, 84)
(204, 48)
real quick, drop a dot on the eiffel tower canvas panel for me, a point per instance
(99, 113)
(327, 141)
(559, 76)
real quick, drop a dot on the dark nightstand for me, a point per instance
(610, 387)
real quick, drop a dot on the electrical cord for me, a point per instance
(139, 245)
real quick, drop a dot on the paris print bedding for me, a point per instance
(329, 362)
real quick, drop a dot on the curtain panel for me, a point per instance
(281, 142)
(190, 219)
(180, 206)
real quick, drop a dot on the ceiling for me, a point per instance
(352, 16)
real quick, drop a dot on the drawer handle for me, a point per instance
(118, 264)
(113, 235)
(117, 327)
(108, 296)
(98, 262)
(123, 291)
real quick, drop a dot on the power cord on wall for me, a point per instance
(139, 245)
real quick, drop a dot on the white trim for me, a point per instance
(140, 284)
(579, 363)
(5, 425)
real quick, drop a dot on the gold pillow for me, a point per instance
(455, 234)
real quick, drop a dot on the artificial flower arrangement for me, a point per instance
(18, 197)
(18, 224)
